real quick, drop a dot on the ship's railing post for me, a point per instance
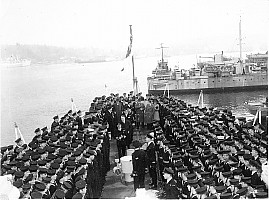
(164, 90)
(198, 102)
(21, 136)
(258, 116)
(73, 105)
(168, 90)
(201, 99)
(17, 131)
(255, 118)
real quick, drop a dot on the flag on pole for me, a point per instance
(131, 42)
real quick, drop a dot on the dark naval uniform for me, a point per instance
(80, 123)
(139, 166)
(54, 125)
(151, 156)
(127, 127)
(170, 190)
(109, 118)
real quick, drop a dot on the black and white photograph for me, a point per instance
(133, 99)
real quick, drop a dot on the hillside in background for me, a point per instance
(53, 54)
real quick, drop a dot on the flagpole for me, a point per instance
(129, 51)
(134, 79)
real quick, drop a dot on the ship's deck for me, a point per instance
(115, 186)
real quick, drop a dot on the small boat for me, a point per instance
(10, 63)
(256, 106)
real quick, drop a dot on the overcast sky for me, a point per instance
(105, 23)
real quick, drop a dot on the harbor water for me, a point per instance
(31, 96)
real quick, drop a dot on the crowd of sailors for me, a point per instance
(197, 152)
(190, 152)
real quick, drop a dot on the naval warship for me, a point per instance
(220, 74)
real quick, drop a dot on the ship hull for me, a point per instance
(23, 63)
(210, 90)
(209, 85)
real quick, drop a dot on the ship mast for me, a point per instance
(240, 42)
(162, 50)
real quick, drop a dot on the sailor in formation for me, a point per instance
(190, 152)
(209, 153)
(69, 161)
